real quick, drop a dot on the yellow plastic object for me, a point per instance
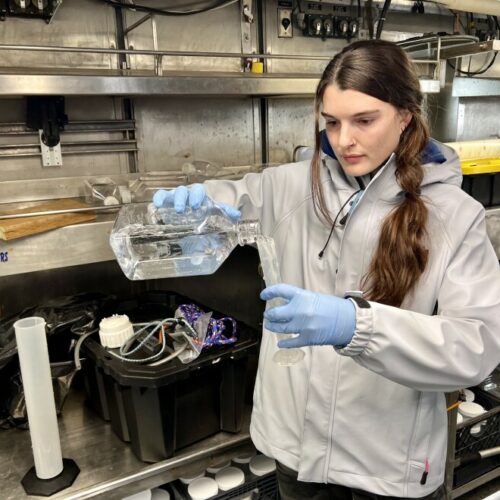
(257, 67)
(481, 166)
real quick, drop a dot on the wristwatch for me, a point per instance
(357, 297)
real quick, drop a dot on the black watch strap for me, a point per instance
(360, 301)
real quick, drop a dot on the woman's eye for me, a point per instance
(331, 123)
(365, 121)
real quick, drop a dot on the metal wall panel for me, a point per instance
(216, 31)
(478, 118)
(77, 23)
(88, 108)
(171, 131)
(291, 124)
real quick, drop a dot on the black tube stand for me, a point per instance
(47, 487)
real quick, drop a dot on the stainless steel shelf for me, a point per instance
(108, 468)
(173, 84)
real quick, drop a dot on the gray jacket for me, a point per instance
(371, 414)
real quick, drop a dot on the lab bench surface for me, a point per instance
(108, 468)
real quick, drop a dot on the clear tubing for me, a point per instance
(39, 395)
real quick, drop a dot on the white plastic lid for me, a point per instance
(216, 468)
(115, 330)
(260, 465)
(460, 419)
(189, 479)
(469, 395)
(244, 458)
(142, 495)
(470, 410)
(475, 430)
(203, 488)
(229, 478)
(159, 494)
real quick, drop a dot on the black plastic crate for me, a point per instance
(467, 444)
(485, 188)
(262, 487)
(164, 408)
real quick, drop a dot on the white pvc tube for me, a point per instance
(491, 7)
(39, 395)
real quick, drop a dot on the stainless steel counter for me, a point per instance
(108, 468)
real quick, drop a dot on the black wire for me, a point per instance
(320, 255)
(161, 12)
(359, 9)
(380, 25)
(474, 73)
(369, 17)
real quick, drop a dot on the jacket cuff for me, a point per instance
(362, 333)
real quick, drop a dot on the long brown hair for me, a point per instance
(383, 70)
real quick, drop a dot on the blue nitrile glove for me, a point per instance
(192, 196)
(318, 319)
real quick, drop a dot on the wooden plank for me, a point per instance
(11, 229)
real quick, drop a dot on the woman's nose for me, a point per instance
(346, 138)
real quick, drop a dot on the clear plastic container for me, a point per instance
(154, 243)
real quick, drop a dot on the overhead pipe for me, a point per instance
(489, 7)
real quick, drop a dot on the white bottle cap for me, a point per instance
(244, 458)
(460, 419)
(475, 430)
(203, 488)
(115, 330)
(229, 478)
(142, 495)
(216, 468)
(159, 494)
(470, 410)
(260, 465)
(190, 478)
(469, 395)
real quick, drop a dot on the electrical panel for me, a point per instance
(321, 20)
(38, 9)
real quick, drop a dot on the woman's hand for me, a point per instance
(189, 196)
(317, 318)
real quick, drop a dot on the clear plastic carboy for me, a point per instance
(154, 242)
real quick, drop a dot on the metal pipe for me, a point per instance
(137, 24)
(177, 53)
(491, 7)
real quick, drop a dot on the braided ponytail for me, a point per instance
(401, 255)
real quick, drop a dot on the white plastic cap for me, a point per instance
(470, 410)
(229, 478)
(260, 465)
(469, 395)
(460, 419)
(189, 479)
(115, 330)
(142, 495)
(216, 468)
(475, 430)
(244, 458)
(159, 494)
(203, 488)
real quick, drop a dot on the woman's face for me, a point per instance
(362, 130)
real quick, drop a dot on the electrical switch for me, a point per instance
(285, 23)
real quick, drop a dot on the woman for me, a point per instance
(378, 216)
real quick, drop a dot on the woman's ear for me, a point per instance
(405, 117)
